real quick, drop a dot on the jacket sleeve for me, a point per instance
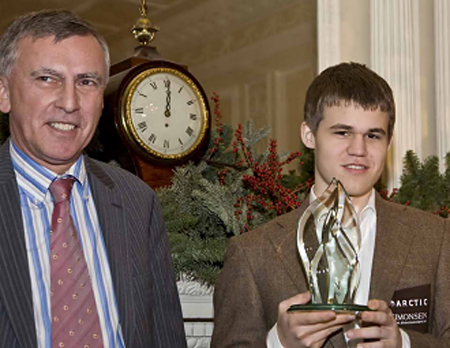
(238, 310)
(440, 316)
(168, 328)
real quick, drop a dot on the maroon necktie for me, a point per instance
(75, 321)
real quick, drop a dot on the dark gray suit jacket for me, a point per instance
(138, 253)
(262, 268)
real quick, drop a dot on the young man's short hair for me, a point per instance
(348, 84)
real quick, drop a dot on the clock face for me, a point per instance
(165, 113)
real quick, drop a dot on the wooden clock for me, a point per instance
(160, 112)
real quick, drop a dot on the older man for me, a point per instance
(84, 259)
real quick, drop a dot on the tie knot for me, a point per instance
(61, 188)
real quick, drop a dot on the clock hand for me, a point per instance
(168, 97)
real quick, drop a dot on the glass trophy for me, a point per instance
(328, 241)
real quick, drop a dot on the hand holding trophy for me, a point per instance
(328, 241)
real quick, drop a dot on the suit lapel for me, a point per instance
(392, 246)
(112, 217)
(285, 243)
(15, 284)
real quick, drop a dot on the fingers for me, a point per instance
(378, 305)
(299, 318)
(315, 321)
(307, 328)
(372, 332)
(381, 314)
(309, 337)
(295, 330)
(382, 327)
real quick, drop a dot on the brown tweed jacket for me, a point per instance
(262, 268)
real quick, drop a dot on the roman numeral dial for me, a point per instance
(165, 112)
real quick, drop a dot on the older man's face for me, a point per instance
(55, 98)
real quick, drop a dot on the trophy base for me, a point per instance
(338, 308)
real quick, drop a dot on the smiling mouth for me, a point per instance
(355, 167)
(62, 126)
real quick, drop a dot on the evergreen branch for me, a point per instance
(222, 164)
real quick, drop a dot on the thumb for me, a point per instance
(301, 298)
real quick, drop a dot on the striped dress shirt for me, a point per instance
(37, 206)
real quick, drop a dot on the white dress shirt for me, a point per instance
(368, 227)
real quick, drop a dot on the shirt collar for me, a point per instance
(35, 179)
(369, 208)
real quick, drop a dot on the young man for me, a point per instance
(349, 120)
(84, 257)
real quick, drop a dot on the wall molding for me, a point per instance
(395, 56)
(442, 81)
(328, 33)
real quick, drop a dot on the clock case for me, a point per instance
(118, 146)
(124, 127)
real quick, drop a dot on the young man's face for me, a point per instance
(351, 145)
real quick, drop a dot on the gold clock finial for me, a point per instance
(144, 31)
(143, 9)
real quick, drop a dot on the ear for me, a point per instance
(308, 136)
(5, 102)
(391, 141)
